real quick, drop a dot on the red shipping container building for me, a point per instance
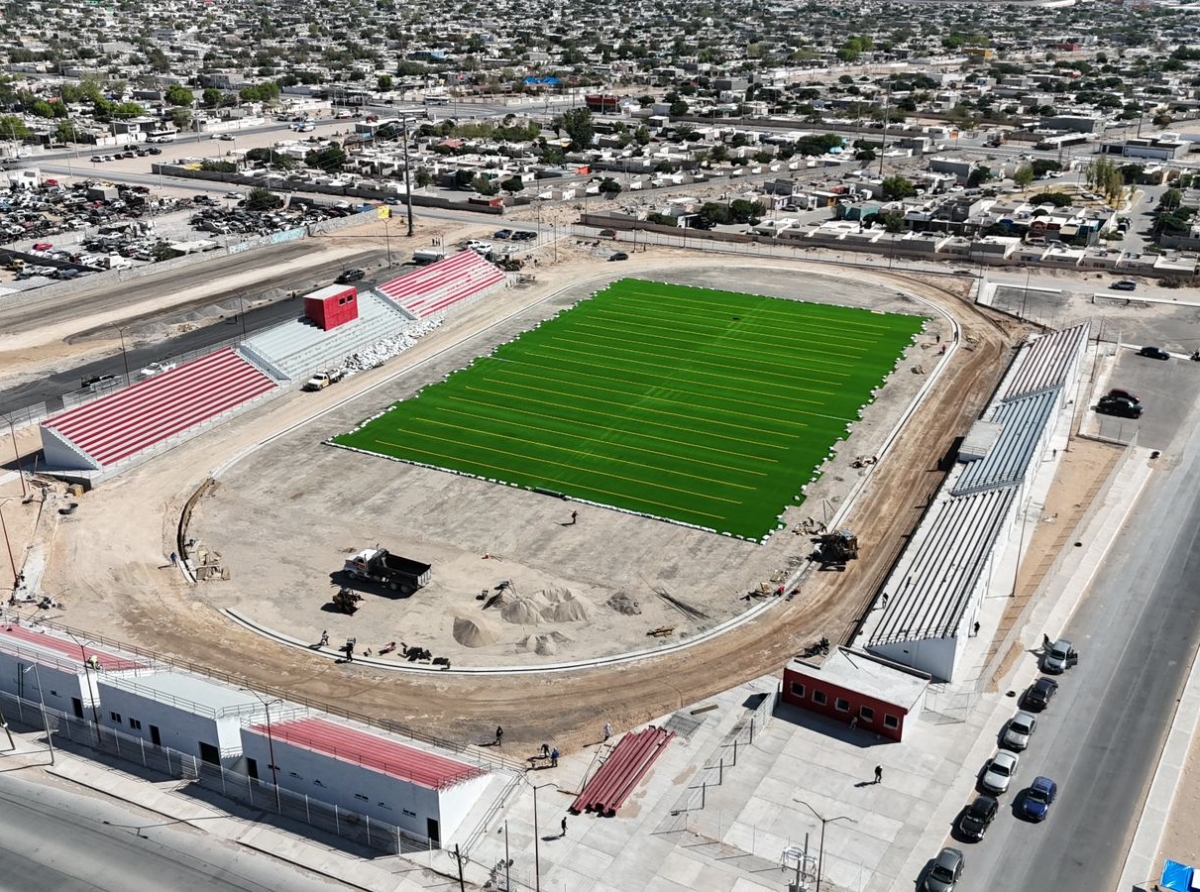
(332, 306)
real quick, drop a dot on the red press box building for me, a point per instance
(332, 306)
(857, 688)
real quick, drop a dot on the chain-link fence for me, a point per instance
(256, 793)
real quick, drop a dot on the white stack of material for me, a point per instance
(381, 351)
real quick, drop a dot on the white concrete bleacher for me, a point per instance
(297, 349)
(448, 284)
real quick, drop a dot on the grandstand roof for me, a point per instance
(1023, 420)
(398, 760)
(122, 424)
(931, 585)
(1045, 363)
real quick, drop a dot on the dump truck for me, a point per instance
(321, 380)
(397, 573)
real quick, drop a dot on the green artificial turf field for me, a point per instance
(709, 408)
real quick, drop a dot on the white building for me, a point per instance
(419, 791)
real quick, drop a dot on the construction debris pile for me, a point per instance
(375, 355)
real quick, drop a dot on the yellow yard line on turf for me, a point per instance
(476, 446)
(684, 341)
(509, 408)
(642, 409)
(760, 343)
(541, 444)
(752, 383)
(574, 383)
(675, 455)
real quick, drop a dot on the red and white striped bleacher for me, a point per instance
(371, 751)
(442, 285)
(118, 426)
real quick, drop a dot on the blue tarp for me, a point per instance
(1176, 876)
(548, 81)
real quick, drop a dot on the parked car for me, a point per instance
(226, 137)
(523, 235)
(619, 255)
(1000, 771)
(945, 872)
(156, 368)
(978, 817)
(1123, 285)
(1118, 393)
(42, 246)
(1123, 408)
(350, 275)
(1040, 693)
(502, 234)
(1154, 353)
(608, 233)
(1018, 731)
(1035, 804)
(1060, 657)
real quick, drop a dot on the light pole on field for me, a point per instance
(821, 849)
(42, 700)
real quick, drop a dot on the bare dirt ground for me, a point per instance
(107, 559)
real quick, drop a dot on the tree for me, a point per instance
(12, 127)
(330, 158)
(743, 211)
(893, 221)
(181, 118)
(484, 186)
(262, 199)
(979, 176)
(678, 108)
(719, 153)
(65, 132)
(383, 83)
(1042, 166)
(1023, 176)
(211, 97)
(177, 94)
(424, 178)
(897, 187)
(577, 123)
(610, 188)
(1058, 199)
(1171, 200)
(1104, 176)
(513, 185)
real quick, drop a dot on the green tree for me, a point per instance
(12, 127)
(897, 187)
(330, 158)
(484, 186)
(513, 185)
(678, 108)
(1104, 176)
(65, 132)
(1170, 200)
(181, 118)
(1023, 176)
(610, 188)
(261, 198)
(719, 153)
(743, 211)
(1058, 199)
(577, 124)
(1043, 166)
(177, 94)
(714, 213)
(211, 97)
(383, 83)
(893, 221)
(41, 109)
(979, 176)
(424, 178)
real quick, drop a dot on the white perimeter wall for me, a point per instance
(59, 684)
(179, 729)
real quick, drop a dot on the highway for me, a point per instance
(1101, 737)
(59, 841)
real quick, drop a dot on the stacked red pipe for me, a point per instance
(622, 771)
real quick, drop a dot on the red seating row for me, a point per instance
(371, 751)
(124, 423)
(441, 285)
(626, 766)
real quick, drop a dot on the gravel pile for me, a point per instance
(381, 351)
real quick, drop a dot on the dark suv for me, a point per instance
(350, 275)
(1154, 353)
(1115, 405)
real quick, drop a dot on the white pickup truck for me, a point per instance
(321, 380)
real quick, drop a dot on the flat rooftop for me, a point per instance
(190, 692)
(867, 674)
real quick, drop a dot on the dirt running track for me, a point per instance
(567, 707)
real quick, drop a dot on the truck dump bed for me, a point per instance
(403, 566)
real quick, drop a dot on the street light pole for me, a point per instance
(124, 355)
(407, 181)
(537, 858)
(267, 704)
(17, 453)
(88, 675)
(42, 700)
(11, 562)
(821, 851)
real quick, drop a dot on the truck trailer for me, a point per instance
(397, 573)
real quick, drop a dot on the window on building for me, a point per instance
(890, 721)
(866, 713)
(115, 716)
(841, 705)
(819, 697)
(135, 724)
(797, 689)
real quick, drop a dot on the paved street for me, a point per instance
(56, 840)
(1100, 738)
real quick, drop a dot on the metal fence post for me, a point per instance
(142, 743)
(307, 810)
(368, 817)
(337, 824)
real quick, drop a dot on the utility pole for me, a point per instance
(887, 110)
(407, 182)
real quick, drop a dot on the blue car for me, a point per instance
(1035, 805)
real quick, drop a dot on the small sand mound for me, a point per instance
(568, 609)
(546, 646)
(522, 612)
(624, 603)
(474, 632)
(554, 594)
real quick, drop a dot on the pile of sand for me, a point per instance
(545, 645)
(563, 607)
(624, 603)
(474, 632)
(522, 612)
